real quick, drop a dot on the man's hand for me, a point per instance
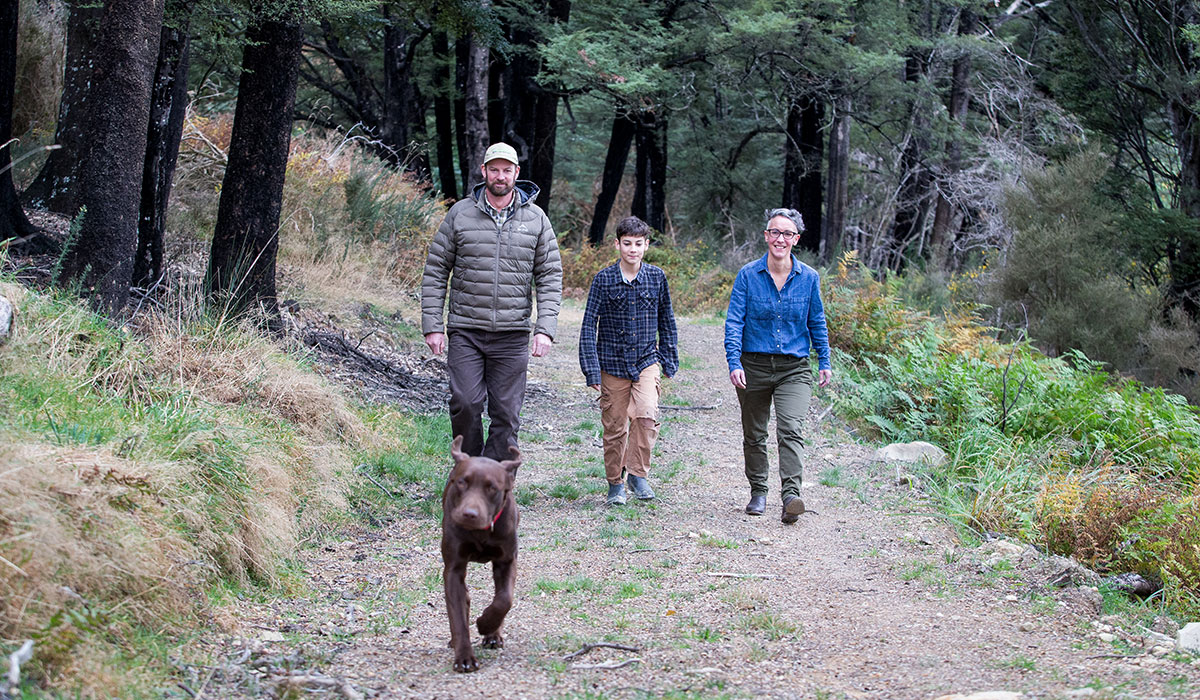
(541, 344)
(594, 387)
(436, 342)
(738, 377)
(824, 376)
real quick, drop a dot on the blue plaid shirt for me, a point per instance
(636, 325)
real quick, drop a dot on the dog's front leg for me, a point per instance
(491, 622)
(458, 608)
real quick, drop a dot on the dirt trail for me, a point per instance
(864, 599)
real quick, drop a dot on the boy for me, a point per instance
(627, 343)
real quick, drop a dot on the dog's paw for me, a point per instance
(492, 641)
(465, 663)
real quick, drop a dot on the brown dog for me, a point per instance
(479, 523)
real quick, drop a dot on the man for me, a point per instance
(493, 249)
(774, 323)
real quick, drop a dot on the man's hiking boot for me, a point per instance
(757, 505)
(792, 508)
(616, 494)
(641, 488)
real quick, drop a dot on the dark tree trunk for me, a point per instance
(476, 116)
(803, 147)
(13, 222)
(837, 180)
(913, 200)
(241, 268)
(442, 115)
(649, 194)
(462, 63)
(402, 119)
(545, 120)
(614, 169)
(1184, 255)
(54, 188)
(168, 104)
(497, 95)
(518, 99)
(100, 261)
(945, 219)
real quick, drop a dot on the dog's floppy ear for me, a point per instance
(456, 450)
(510, 465)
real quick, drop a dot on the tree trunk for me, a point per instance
(100, 261)
(913, 199)
(168, 105)
(941, 237)
(803, 147)
(610, 180)
(545, 119)
(1184, 255)
(837, 180)
(54, 188)
(649, 199)
(402, 117)
(442, 115)
(13, 222)
(475, 110)
(241, 268)
(462, 63)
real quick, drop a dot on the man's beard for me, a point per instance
(499, 189)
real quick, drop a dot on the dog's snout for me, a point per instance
(470, 513)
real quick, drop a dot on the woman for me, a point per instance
(774, 323)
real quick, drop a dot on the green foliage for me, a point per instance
(1061, 275)
(1054, 450)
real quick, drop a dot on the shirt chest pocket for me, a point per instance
(616, 299)
(785, 309)
(645, 300)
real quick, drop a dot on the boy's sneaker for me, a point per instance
(641, 488)
(616, 494)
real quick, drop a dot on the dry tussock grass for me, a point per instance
(240, 369)
(109, 522)
(83, 529)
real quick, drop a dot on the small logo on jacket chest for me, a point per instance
(522, 227)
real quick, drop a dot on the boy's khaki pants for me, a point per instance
(629, 415)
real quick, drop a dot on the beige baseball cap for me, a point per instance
(501, 150)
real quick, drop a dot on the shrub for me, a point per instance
(1055, 450)
(1062, 275)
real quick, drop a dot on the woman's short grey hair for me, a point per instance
(790, 214)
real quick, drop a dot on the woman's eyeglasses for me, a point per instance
(775, 234)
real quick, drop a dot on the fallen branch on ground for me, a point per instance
(730, 574)
(687, 408)
(598, 645)
(606, 665)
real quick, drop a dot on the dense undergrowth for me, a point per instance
(1054, 451)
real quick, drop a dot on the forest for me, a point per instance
(200, 201)
(1044, 154)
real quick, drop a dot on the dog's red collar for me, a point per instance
(493, 525)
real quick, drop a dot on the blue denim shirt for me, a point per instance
(628, 326)
(790, 321)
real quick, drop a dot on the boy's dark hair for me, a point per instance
(634, 227)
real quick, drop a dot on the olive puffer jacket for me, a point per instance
(495, 269)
